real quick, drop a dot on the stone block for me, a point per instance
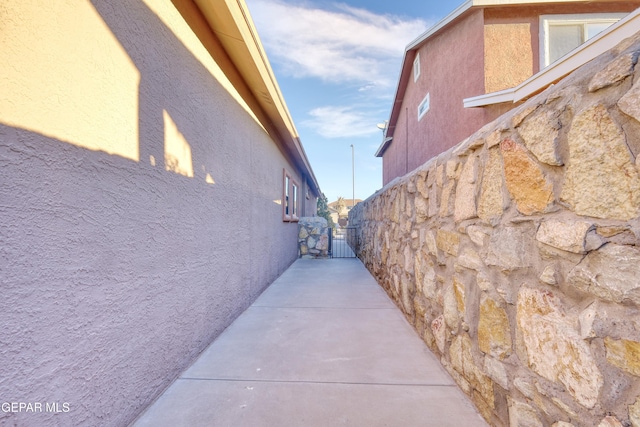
(610, 273)
(549, 275)
(634, 413)
(439, 332)
(601, 179)
(526, 182)
(616, 71)
(540, 133)
(491, 203)
(554, 348)
(630, 102)
(566, 235)
(624, 354)
(610, 421)
(494, 332)
(470, 259)
(448, 242)
(510, 248)
(522, 414)
(496, 371)
(465, 200)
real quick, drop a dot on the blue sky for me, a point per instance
(337, 64)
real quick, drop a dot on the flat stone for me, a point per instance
(477, 234)
(465, 201)
(616, 71)
(525, 180)
(323, 243)
(460, 293)
(610, 273)
(554, 349)
(422, 209)
(311, 242)
(445, 200)
(461, 357)
(521, 114)
(303, 234)
(587, 318)
(549, 275)
(448, 242)
(491, 203)
(439, 332)
(566, 235)
(509, 249)
(601, 179)
(494, 332)
(610, 421)
(522, 414)
(433, 201)
(451, 313)
(496, 371)
(452, 169)
(630, 102)
(539, 131)
(562, 424)
(624, 354)
(525, 387)
(431, 243)
(470, 259)
(634, 413)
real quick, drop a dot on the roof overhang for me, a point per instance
(231, 22)
(616, 33)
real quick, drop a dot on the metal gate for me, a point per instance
(343, 242)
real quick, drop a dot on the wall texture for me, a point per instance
(140, 202)
(516, 254)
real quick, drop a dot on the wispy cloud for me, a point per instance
(341, 122)
(340, 45)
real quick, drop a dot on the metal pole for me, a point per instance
(353, 178)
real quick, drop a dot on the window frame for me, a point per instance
(290, 198)
(416, 67)
(567, 19)
(422, 110)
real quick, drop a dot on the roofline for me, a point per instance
(616, 33)
(418, 42)
(231, 21)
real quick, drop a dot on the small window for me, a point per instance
(416, 68)
(560, 34)
(290, 196)
(424, 107)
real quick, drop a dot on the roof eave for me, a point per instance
(232, 23)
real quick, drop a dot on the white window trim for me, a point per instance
(583, 18)
(423, 110)
(416, 68)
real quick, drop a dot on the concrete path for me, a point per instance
(322, 346)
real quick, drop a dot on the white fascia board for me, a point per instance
(625, 28)
(440, 24)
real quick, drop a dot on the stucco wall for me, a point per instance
(140, 202)
(516, 254)
(447, 78)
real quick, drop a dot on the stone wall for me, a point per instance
(313, 237)
(516, 254)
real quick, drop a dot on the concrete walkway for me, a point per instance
(322, 346)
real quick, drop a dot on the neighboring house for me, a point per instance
(150, 181)
(483, 47)
(340, 209)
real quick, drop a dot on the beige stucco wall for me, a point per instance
(508, 56)
(516, 254)
(140, 203)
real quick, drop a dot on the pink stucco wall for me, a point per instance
(116, 273)
(451, 68)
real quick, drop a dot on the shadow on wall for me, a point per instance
(119, 258)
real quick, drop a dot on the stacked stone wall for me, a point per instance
(313, 237)
(516, 254)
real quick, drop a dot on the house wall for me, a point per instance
(480, 53)
(447, 78)
(516, 254)
(140, 201)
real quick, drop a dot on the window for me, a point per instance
(416, 67)
(424, 107)
(290, 196)
(560, 34)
